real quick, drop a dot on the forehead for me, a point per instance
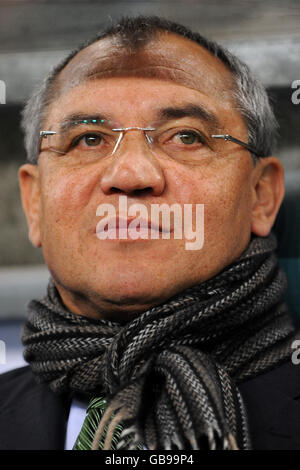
(167, 57)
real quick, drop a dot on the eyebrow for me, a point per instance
(190, 110)
(172, 112)
(69, 121)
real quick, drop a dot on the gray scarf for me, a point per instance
(171, 375)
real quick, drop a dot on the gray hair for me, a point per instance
(250, 96)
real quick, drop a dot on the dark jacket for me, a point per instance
(32, 417)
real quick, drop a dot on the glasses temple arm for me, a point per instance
(237, 141)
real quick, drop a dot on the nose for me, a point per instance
(133, 168)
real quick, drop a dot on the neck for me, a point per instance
(99, 308)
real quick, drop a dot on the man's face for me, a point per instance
(122, 277)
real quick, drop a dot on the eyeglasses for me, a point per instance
(99, 138)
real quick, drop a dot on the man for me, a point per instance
(176, 347)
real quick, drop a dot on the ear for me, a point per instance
(30, 195)
(268, 195)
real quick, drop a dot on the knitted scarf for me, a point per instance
(171, 375)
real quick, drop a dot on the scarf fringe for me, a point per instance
(112, 408)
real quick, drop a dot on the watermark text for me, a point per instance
(2, 92)
(296, 93)
(296, 353)
(2, 352)
(159, 221)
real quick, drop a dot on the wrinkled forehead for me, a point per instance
(166, 57)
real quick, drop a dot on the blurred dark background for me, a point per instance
(36, 34)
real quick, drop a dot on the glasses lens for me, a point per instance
(182, 141)
(85, 139)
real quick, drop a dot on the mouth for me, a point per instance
(130, 228)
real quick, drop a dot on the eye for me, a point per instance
(89, 140)
(187, 137)
(92, 139)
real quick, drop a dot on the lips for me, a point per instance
(129, 227)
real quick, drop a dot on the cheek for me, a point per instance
(65, 196)
(225, 193)
(228, 210)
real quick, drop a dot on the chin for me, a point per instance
(130, 297)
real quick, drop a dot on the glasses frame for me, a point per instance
(237, 141)
(226, 137)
